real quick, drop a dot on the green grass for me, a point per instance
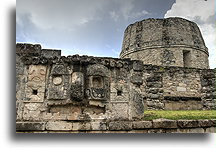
(177, 115)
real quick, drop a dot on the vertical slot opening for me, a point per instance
(186, 58)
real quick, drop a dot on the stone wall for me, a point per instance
(92, 92)
(177, 88)
(172, 56)
(166, 42)
(82, 88)
(155, 126)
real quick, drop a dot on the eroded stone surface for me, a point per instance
(59, 125)
(120, 125)
(94, 93)
(167, 42)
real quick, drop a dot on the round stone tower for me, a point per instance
(166, 42)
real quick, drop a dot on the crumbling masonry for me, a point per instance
(163, 66)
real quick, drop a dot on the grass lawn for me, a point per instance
(182, 114)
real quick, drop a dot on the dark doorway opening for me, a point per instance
(186, 58)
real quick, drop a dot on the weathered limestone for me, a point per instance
(30, 126)
(155, 126)
(35, 88)
(142, 125)
(164, 123)
(58, 125)
(167, 42)
(90, 94)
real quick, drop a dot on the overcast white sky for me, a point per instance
(96, 27)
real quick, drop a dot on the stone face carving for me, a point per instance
(36, 83)
(58, 70)
(58, 82)
(119, 91)
(98, 69)
(97, 82)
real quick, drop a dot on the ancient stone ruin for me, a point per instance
(163, 66)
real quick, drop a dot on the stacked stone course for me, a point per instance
(166, 42)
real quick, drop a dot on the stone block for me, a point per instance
(205, 123)
(172, 130)
(210, 130)
(142, 124)
(187, 123)
(74, 116)
(153, 90)
(84, 126)
(154, 79)
(19, 111)
(181, 89)
(58, 125)
(57, 116)
(213, 122)
(30, 126)
(137, 107)
(119, 111)
(68, 109)
(123, 97)
(138, 131)
(32, 111)
(120, 125)
(48, 53)
(137, 79)
(75, 126)
(164, 123)
(98, 126)
(47, 116)
(96, 103)
(191, 130)
(154, 84)
(154, 96)
(31, 115)
(84, 117)
(138, 66)
(28, 49)
(33, 106)
(156, 131)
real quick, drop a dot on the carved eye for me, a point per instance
(31, 71)
(57, 80)
(42, 71)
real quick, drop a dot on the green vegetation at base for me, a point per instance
(181, 114)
